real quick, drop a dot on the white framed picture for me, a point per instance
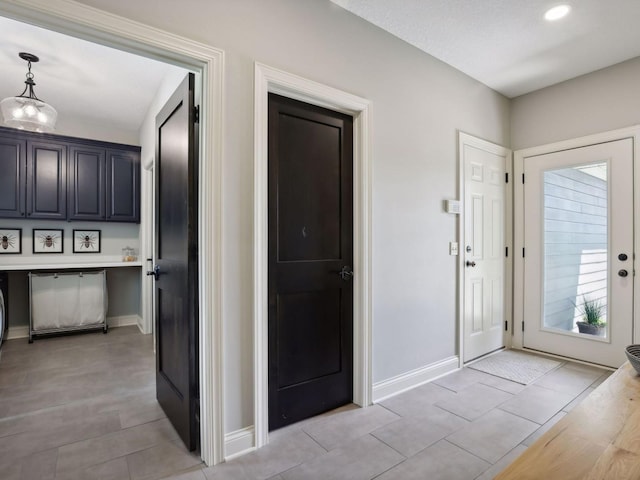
(48, 241)
(86, 241)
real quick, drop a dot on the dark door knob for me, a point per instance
(622, 257)
(155, 272)
(623, 273)
(346, 273)
(471, 264)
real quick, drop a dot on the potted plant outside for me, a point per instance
(592, 323)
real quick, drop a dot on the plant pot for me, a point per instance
(588, 328)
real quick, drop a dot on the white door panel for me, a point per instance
(483, 248)
(578, 219)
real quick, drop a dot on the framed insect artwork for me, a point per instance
(48, 241)
(10, 240)
(86, 241)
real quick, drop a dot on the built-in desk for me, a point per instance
(53, 262)
(598, 439)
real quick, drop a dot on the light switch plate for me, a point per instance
(453, 248)
(453, 206)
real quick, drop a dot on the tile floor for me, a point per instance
(83, 407)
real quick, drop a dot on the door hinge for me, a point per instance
(522, 252)
(196, 113)
(506, 326)
(506, 177)
(506, 251)
(523, 178)
(523, 325)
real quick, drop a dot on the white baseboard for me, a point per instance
(407, 381)
(121, 321)
(124, 321)
(239, 442)
(18, 332)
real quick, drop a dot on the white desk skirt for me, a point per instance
(62, 300)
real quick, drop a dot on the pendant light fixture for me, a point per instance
(26, 111)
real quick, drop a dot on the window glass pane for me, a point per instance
(575, 249)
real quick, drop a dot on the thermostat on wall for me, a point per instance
(452, 206)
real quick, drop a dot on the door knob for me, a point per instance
(471, 264)
(155, 272)
(623, 273)
(346, 273)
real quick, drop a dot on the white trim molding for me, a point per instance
(113, 322)
(271, 80)
(125, 321)
(239, 442)
(414, 378)
(18, 332)
(75, 19)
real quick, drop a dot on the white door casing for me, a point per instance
(483, 247)
(88, 23)
(269, 79)
(578, 217)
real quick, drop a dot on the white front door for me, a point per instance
(578, 230)
(483, 251)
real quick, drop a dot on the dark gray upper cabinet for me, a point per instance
(123, 186)
(12, 177)
(65, 178)
(86, 183)
(46, 180)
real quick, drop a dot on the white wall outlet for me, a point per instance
(453, 248)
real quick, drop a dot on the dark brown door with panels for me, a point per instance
(176, 268)
(310, 260)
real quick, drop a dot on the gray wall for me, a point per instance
(604, 100)
(419, 104)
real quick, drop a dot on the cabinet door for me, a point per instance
(46, 180)
(86, 183)
(12, 177)
(123, 186)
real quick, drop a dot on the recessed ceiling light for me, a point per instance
(557, 12)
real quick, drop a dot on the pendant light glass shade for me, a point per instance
(26, 111)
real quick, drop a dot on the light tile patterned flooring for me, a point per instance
(83, 407)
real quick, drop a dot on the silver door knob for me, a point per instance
(471, 264)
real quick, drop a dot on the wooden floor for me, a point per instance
(599, 439)
(83, 407)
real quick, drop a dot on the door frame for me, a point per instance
(520, 242)
(468, 139)
(272, 80)
(101, 27)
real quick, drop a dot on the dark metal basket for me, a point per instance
(633, 354)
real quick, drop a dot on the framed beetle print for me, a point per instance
(10, 240)
(48, 241)
(86, 241)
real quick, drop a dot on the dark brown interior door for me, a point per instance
(310, 260)
(176, 279)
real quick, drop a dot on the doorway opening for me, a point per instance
(578, 232)
(88, 24)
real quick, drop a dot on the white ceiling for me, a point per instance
(81, 80)
(507, 44)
